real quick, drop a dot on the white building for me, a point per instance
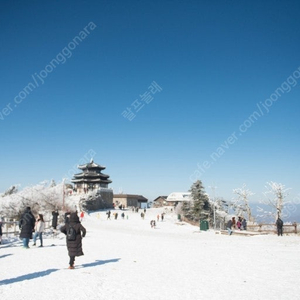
(177, 197)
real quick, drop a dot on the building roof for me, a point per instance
(91, 165)
(96, 180)
(138, 197)
(91, 173)
(179, 196)
(164, 197)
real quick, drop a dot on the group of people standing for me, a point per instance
(32, 228)
(240, 224)
(27, 225)
(160, 216)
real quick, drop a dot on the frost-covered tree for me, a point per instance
(200, 206)
(241, 203)
(42, 198)
(12, 190)
(221, 207)
(275, 197)
(52, 183)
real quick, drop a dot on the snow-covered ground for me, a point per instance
(127, 259)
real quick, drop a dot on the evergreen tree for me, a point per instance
(201, 209)
(186, 209)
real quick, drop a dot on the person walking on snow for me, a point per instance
(39, 228)
(108, 215)
(74, 247)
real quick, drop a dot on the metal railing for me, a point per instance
(11, 227)
(271, 228)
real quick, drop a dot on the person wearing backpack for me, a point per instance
(279, 224)
(74, 232)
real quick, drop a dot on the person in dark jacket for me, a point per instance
(229, 225)
(279, 225)
(244, 224)
(26, 225)
(54, 219)
(74, 247)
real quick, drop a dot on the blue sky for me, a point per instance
(227, 111)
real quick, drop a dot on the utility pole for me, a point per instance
(213, 188)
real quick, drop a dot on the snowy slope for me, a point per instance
(127, 259)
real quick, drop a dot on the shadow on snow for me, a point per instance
(2, 256)
(99, 262)
(28, 276)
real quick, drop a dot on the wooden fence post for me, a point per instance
(15, 226)
(6, 226)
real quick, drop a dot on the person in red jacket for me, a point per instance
(81, 216)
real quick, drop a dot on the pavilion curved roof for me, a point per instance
(91, 165)
(90, 174)
(96, 180)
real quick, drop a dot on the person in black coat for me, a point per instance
(74, 247)
(54, 219)
(26, 225)
(279, 225)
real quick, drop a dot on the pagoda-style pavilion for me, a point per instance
(90, 178)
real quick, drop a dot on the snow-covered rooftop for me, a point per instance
(179, 196)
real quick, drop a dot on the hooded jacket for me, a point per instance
(74, 247)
